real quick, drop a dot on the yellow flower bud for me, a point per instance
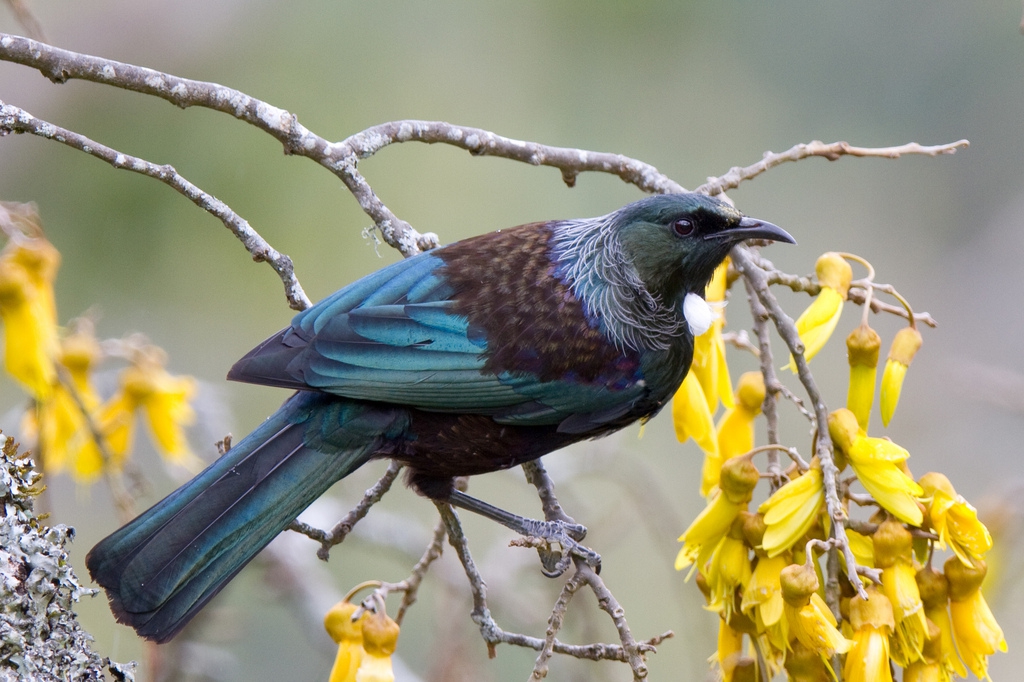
(739, 478)
(799, 582)
(349, 636)
(380, 639)
(834, 272)
(862, 346)
(891, 541)
(963, 580)
(904, 346)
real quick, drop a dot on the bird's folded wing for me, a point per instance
(395, 336)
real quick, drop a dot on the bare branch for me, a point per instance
(412, 583)
(856, 294)
(16, 120)
(340, 158)
(832, 152)
(340, 531)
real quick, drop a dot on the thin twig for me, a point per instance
(341, 530)
(412, 583)
(832, 152)
(856, 294)
(772, 384)
(16, 120)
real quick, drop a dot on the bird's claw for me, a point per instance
(561, 544)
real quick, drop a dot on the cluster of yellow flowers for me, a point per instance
(365, 644)
(72, 427)
(760, 570)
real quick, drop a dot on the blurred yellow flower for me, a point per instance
(30, 325)
(147, 386)
(876, 463)
(904, 346)
(709, 363)
(872, 622)
(954, 520)
(816, 323)
(792, 509)
(862, 346)
(975, 630)
(349, 636)
(739, 478)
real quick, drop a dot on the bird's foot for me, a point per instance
(557, 542)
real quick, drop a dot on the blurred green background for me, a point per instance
(692, 88)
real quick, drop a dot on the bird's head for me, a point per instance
(675, 241)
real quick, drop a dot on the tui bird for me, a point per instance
(470, 358)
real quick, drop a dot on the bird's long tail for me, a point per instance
(163, 567)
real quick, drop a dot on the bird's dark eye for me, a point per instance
(682, 227)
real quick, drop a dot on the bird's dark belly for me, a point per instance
(447, 446)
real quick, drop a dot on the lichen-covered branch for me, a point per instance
(40, 637)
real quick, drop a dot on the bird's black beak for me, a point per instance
(749, 228)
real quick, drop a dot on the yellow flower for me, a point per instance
(691, 416)
(762, 599)
(875, 461)
(730, 649)
(894, 555)
(954, 520)
(929, 668)
(735, 429)
(805, 665)
(934, 590)
(739, 478)
(729, 569)
(816, 323)
(975, 630)
(791, 511)
(872, 622)
(863, 548)
(147, 386)
(380, 639)
(810, 619)
(709, 364)
(904, 346)
(862, 346)
(349, 636)
(30, 330)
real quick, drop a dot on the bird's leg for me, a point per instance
(562, 540)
